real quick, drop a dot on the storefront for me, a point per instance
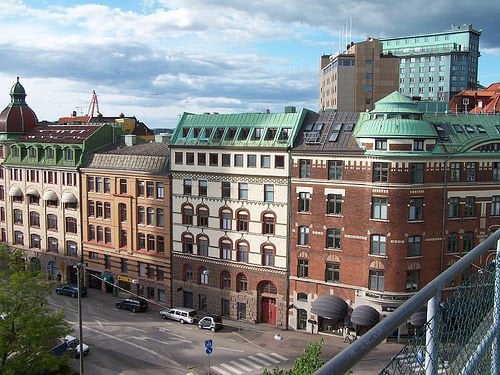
(332, 312)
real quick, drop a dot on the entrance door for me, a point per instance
(301, 319)
(188, 299)
(268, 310)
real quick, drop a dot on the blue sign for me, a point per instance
(208, 350)
(49, 267)
(420, 357)
(208, 344)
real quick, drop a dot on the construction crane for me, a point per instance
(93, 107)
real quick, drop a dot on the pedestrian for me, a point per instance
(59, 277)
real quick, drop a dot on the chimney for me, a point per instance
(130, 139)
(73, 113)
(290, 109)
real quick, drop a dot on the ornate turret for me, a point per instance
(17, 117)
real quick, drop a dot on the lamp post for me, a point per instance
(79, 267)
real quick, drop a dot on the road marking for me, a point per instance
(99, 304)
(231, 368)
(248, 369)
(104, 320)
(280, 356)
(166, 330)
(219, 370)
(250, 363)
(100, 324)
(265, 356)
(137, 329)
(149, 318)
(258, 360)
(230, 349)
(232, 340)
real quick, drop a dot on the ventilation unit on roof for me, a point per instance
(348, 127)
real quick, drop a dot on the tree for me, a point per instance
(306, 364)
(28, 328)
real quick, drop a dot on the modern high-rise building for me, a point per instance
(353, 80)
(436, 66)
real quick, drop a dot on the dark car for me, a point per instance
(70, 290)
(212, 322)
(134, 305)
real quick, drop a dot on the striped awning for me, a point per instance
(68, 198)
(15, 191)
(330, 307)
(365, 316)
(49, 195)
(33, 192)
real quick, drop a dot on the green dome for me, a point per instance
(396, 128)
(17, 93)
(396, 103)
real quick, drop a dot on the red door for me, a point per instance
(268, 310)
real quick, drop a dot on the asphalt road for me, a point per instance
(122, 342)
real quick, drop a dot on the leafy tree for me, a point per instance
(28, 327)
(306, 364)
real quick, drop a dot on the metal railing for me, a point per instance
(427, 359)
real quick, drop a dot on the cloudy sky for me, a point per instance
(158, 58)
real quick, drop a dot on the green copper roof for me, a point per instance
(396, 103)
(245, 129)
(396, 128)
(17, 93)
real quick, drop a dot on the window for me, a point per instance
(333, 239)
(305, 168)
(71, 226)
(187, 186)
(242, 252)
(303, 267)
(241, 310)
(226, 218)
(265, 161)
(160, 244)
(241, 282)
(225, 280)
(238, 160)
(107, 210)
(213, 159)
(332, 272)
(251, 161)
(190, 158)
(226, 189)
(453, 205)
(203, 276)
(141, 215)
(414, 246)
(202, 300)
(203, 246)
(303, 237)
(160, 218)
(140, 188)
(123, 238)
(226, 160)
(268, 256)
(335, 169)
(417, 173)
(151, 242)
(52, 244)
(380, 172)
(18, 238)
(123, 265)
(141, 241)
(455, 172)
(279, 162)
(468, 241)
(470, 206)
(412, 280)
(179, 158)
(418, 145)
(107, 235)
(334, 204)
(376, 280)
(453, 243)
(15, 151)
(100, 234)
(52, 221)
(378, 244)
(416, 209)
(18, 216)
(379, 208)
(268, 193)
(123, 186)
(122, 210)
(496, 171)
(98, 184)
(268, 221)
(187, 244)
(381, 144)
(150, 217)
(470, 171)
(495, 205)
(304, 201)
(35, 241)
(187, 215)
(242, 221)
(34, 218)
(107, 184)
(150, 189)
(160, 190)
(242, 191)
(202, 188)
(202, 158)
(91, 233)
(203, 215)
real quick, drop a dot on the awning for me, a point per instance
(68, 198)
(49, 195)
(330, 307)
(418, 319)
(33, 191)
(15, 192)
(107, 277)
(365, 316)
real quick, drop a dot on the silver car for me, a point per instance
(181, 314)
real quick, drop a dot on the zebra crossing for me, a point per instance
(248, 364)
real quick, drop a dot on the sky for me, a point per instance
(155, 59)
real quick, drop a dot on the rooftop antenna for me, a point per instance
(93, 107)
(350, 30)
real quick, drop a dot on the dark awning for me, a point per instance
(365, 316)
(330, 307)
(419, 318)
(107, 277)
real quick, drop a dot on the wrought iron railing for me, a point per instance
(462, 332)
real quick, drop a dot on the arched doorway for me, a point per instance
(53, 270)
(301, 319)
(267, 299)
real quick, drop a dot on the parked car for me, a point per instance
(74, 346)
(181, 314)
(212, 322)
(134, 305)
(70, 290)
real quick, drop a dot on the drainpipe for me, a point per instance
(443, 213)
(288, 234)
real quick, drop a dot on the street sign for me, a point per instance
(49, 267)
(208, 344)
(208, 350)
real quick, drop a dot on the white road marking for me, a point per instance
(258, 360)
(280, 356)
(100, 324)
(219, 370)
(150, 318)
(248, 369)
(230, 349)
(232, 340)
(268, 358)
(231, 368)
(137, 329)
(250, 363)
(99, 304)
(166, 330)
(104, 320)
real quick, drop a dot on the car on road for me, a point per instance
(212, 322)
(74, 346)
(134, 305)
(70, 290)
(181, 314)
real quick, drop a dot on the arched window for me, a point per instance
(203, 214)
(241, 282)
(267, 287)
(242, 251)
(52, 221)
(52, 244)
(268, 255)
(35, 241)
(226, 219)
(268, 221)
(71, 225)
(187, 214)
(225, 280)
(34, 219)
(225, 248)
(18, 216)
(187, 243)
(14, 150)
(71, 248)
(242, 220)
(202, 243)
(303, 265)
(203, 275)
(18, 238)
(302, 297)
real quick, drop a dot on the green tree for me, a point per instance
(306, 364)
(28, 327)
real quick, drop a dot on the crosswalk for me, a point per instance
(248, 364)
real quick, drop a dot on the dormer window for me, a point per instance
(185, 132)
(243, 134)
(271, 134)
(418, 145)
(32, 152)
(49, 153)
(68, 154)
(381, 144)
(15, 151)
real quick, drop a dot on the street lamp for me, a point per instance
(79, 268)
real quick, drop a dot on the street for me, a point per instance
(122, 342)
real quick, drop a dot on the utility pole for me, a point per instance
(79, 267)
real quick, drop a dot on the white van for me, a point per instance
(181, 314)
